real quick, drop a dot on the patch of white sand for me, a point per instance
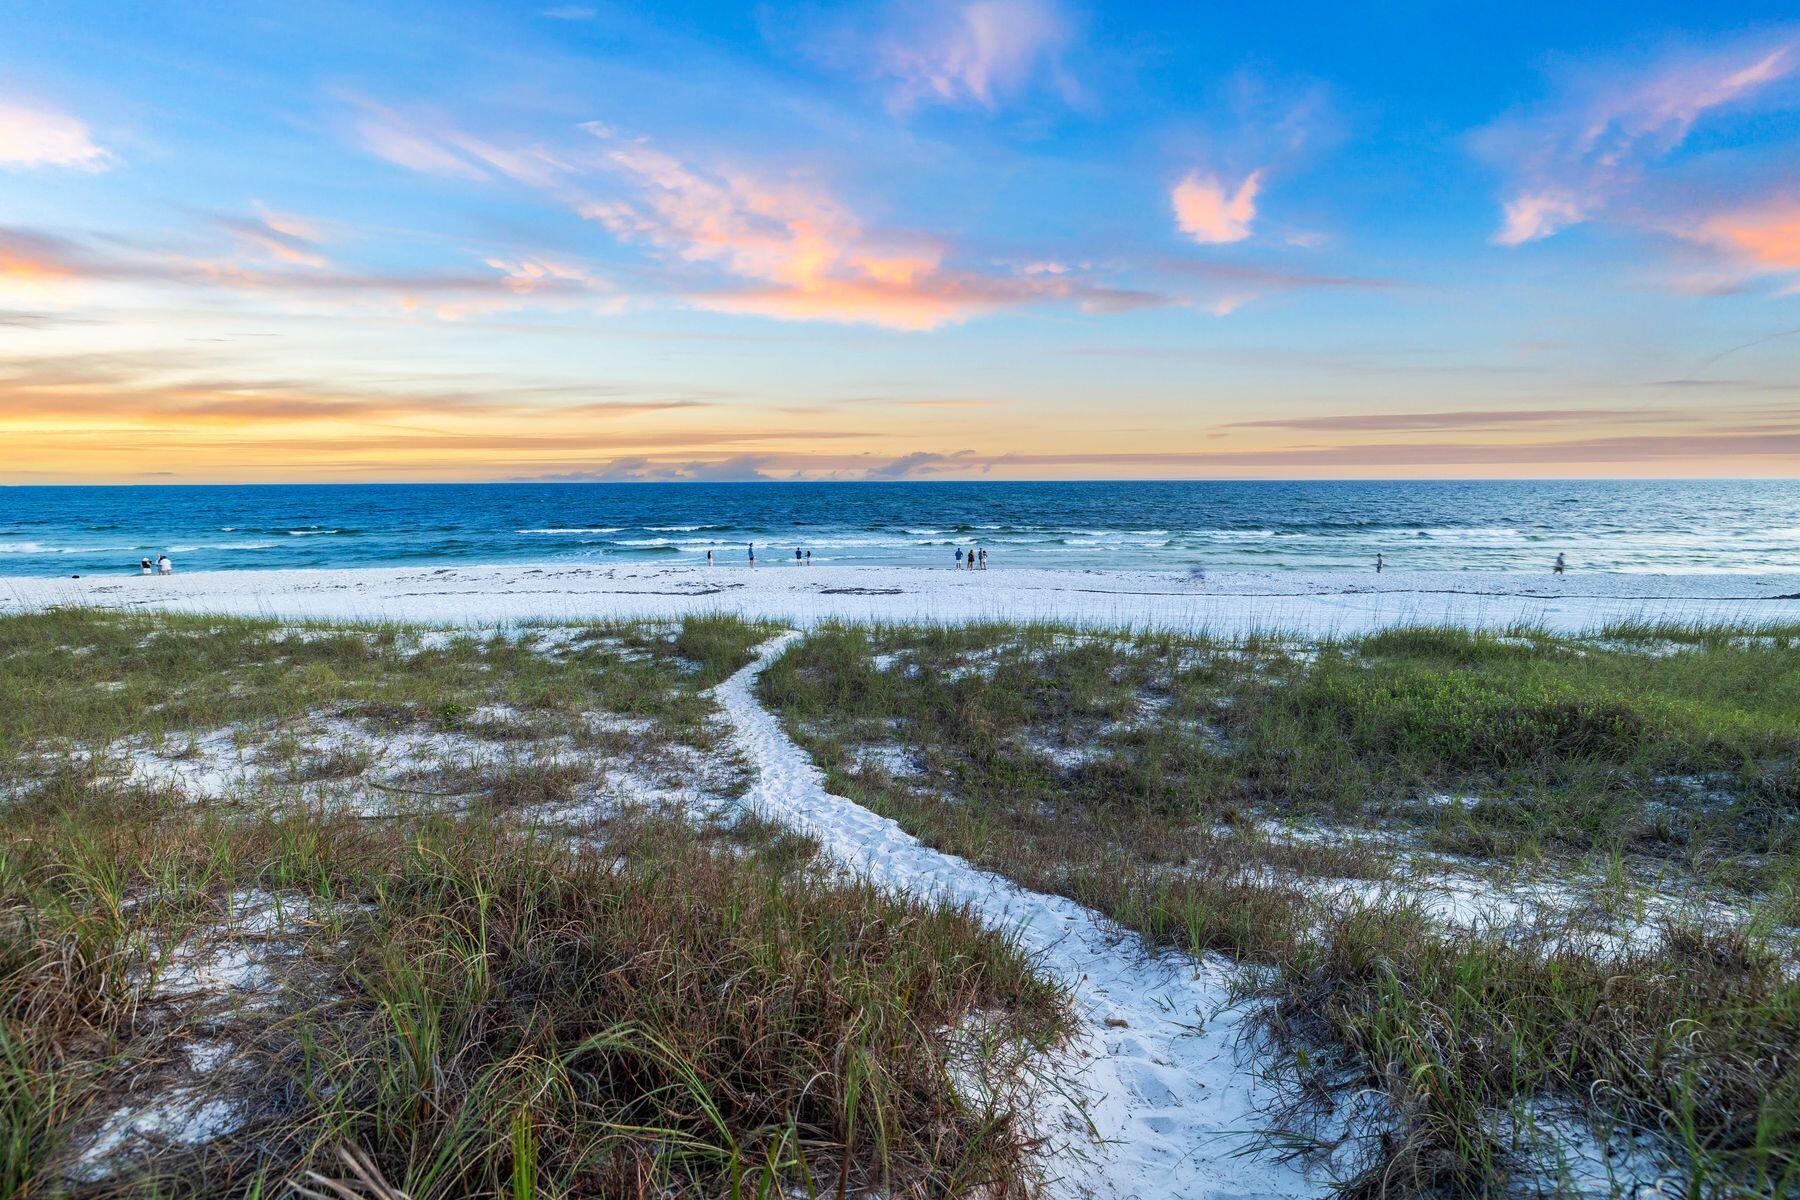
(182, 1117)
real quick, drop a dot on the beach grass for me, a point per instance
(508, 982)
(1492, 874)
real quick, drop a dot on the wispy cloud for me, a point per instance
(281, 236)
(1436, 422)
(430, 143)
(972, 54)
(1209, 211)
(796, 252)
(32, 257)
(40, 260)
(168, 389)
(1569, 160)
(32, 135)
(1241, 275)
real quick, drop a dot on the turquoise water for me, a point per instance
(1637, 525)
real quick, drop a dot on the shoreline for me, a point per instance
(1312, 603)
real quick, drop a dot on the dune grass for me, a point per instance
(73, 676)
(1206, 793)
(633, 1003)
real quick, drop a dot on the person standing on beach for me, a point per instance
(144, 567)
(1378, 563)
(959, 556)
(984, 558)
(1558, 568)
(752, 553)
(809, 558)
(709, 558)
(797, 558)
(164, 566)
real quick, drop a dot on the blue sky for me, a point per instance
(1009, 238)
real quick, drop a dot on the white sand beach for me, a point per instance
(1311, 603)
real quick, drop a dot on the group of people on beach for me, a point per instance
(162, 566)
(975, 558)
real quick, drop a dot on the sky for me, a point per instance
(1009, 239)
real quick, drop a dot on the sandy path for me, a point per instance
(1172, 1110)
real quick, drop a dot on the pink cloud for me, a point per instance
(34, 136)
(1209, 213)
(529, 275)
(797, 253)
(1534, 215)
(1569, 162)
(1764, 238)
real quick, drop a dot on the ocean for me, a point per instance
(1632, 525)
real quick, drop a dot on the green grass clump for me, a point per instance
(71, 677)
(1150, 776)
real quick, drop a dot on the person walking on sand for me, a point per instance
(164, 566)
(1558, 568)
